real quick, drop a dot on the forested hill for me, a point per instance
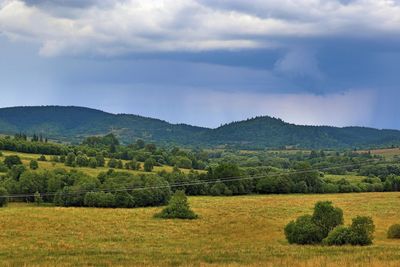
(73, 124)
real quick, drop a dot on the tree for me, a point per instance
(92, 163)
(33, 165)
(149, 165)
(326, 216)
(70, 160)
(178, 208)
(3, 197)
(38, 198)
(42, 158)
(12, 160)
(100, 160)
(112, 163)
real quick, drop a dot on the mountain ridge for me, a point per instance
(73, 124)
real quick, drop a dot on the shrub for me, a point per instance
(149, 165)
(42, 158)
(33, 165)
(394, 231)
(338, 236)
(12, 160)
(3, 197)
(220, 189)
(178, 208)
(38, 198)
(303, 231)
(327, 217)
(362, 230)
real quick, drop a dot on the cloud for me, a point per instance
(133, 26)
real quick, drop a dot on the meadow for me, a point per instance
(48, 165)
(231, 231)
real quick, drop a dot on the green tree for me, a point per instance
(33, 165)
(362, 229)
(38, 198)
(327, 217)
(12, 161)
(70, 160)
(3, 197)
(178, 208)
(149, 165)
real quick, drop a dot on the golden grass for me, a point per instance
(387, 152)
(26, 158)
(232, 231)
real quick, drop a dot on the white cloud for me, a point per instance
(187, 25)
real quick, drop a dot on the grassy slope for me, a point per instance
(26, 158)
(233, 231)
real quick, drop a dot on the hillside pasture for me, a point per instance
(231, 231)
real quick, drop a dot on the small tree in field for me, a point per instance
(38, 198)
(33, 165)
(394, 231)
(3, 197)
(178, 208)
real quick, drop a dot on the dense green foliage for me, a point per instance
(394, 231)
(3, 197)
(360, 232)
(303, 231)
(73, 123)
(178, 208)
(326, 225)
(313, 229)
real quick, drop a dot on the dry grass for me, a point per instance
(232, 231)
(387, 152)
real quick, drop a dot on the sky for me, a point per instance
(207, 62)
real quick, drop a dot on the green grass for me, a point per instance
(26, 158)
(231, 231)
(352, 178)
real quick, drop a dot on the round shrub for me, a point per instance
(394, 231)
(178, 208)
(33, 165)
(327, 217)
(303, 231)
(3, 197)
(338, 237)
(362, 230)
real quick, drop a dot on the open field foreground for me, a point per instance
(232, 231)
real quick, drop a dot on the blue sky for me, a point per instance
(207, 62)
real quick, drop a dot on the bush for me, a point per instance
(42, 158)
(12, 160)
(362, 230)
(338, 236)
(3, 197)
(178, 208)
(394, 231)
(33, 165)
(149, 165)
(38, 198)
(327, 217)
(303, 231)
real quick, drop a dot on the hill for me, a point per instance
(73, 124)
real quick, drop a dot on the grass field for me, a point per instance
(231, 231)
(387, 152)
(26, 158)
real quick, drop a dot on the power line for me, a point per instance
(201, 182)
